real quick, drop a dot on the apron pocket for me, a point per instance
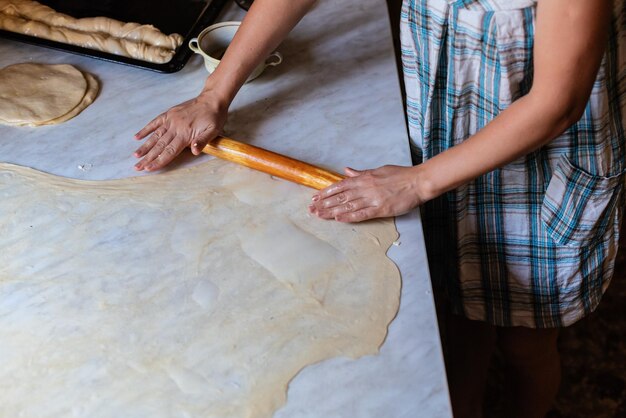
(578, 206)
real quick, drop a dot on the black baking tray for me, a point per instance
(186, 17)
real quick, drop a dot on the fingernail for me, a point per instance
(315, 198)
(195, 144)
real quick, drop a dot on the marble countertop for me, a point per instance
(335, 101)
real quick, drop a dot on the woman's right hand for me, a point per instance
(190, 124)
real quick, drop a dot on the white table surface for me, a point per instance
(335, 101)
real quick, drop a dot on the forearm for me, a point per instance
(267, 23)
(525, 126)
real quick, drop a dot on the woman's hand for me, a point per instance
(197, 121)
(190, 124)
(386, 191)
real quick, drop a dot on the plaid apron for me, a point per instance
(533, 243)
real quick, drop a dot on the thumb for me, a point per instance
(351, 172)
(201, 141)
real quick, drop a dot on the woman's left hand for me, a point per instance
(386, 191)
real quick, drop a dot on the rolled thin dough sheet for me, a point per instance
(196, 293)
(42, 94)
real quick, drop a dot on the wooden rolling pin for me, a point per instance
(271, 163)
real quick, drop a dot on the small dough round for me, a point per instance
(34, 94)
(93, 88)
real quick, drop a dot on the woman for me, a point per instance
(514, 109)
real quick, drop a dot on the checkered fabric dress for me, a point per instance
(533, 243)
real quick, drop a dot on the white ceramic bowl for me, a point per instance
(212, 42)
